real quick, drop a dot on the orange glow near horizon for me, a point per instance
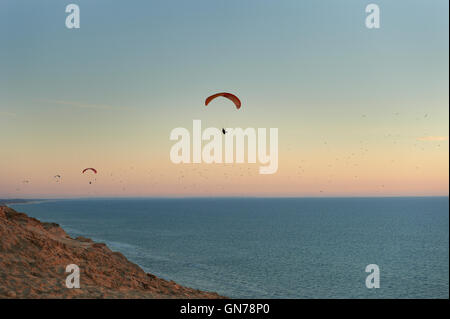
(325, 172)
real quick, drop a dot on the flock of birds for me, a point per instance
(206, 177)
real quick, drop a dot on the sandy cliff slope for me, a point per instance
(34, 256)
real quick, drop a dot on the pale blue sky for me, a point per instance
(137, 69)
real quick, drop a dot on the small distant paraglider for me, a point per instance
(57, 178)
(90, 169)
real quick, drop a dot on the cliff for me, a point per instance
(34, 256)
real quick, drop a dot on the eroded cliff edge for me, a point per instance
(34, 256)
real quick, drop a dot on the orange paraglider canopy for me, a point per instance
(229, 96)
(89, 169)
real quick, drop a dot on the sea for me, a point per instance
(273, 247)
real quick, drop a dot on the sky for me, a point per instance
(359, 112)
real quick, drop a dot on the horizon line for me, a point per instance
(223, 197)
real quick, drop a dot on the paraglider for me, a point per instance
(57, 178)
(229, 96)
(90, 169)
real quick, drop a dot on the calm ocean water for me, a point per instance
(273, 248)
